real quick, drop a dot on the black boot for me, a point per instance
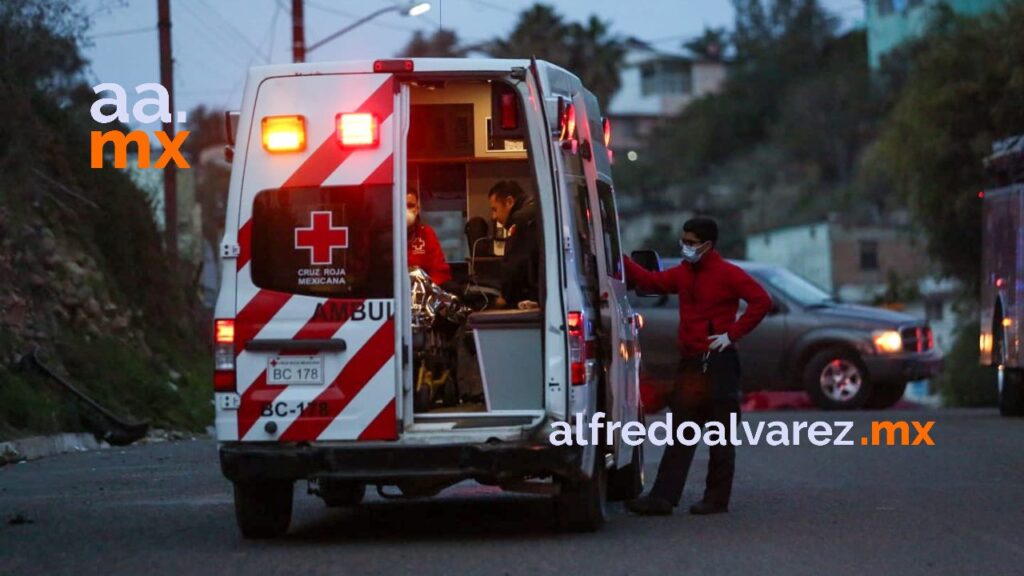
(649, 506)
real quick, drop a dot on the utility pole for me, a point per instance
(170, 171)
(298, 33)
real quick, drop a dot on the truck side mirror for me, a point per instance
(647, 259)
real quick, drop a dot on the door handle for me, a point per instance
(275, 344)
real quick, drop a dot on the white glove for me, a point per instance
(719, 342)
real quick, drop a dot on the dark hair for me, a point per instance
(507, 189)
(703, 227)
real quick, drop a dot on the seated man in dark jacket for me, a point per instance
(517, 213)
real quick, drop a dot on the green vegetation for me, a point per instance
(87, 281)
(963, 88)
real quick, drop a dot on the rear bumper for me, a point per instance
(384, 462)
(904, 368)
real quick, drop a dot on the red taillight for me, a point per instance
(568, 121)
(581, 350)
(393, 66)
(358, 130)
(509, 112)
(575, 323)
(606, 125)
(225, 332)
(224, 356)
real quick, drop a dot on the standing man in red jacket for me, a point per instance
(710, 290)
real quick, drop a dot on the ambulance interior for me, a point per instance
(464, 137)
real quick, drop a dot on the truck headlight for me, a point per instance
(887, 341)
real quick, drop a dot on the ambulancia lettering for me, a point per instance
(352, 311)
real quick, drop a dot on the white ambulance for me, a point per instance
(339, 365)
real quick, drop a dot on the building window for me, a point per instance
(665, 77)
(869, 255)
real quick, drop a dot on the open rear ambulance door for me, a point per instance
(315, 327)
(616, 313)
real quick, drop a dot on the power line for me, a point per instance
(238, 33)
(494, 6)
(124, 32)
(224, 48)
(272, 33)
(347, 14)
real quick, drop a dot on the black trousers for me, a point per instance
(715, 406)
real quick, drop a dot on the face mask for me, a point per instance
(410, 217)
(691, 254)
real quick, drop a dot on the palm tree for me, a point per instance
(589, 51)
(440, 44)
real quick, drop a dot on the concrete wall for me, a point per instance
(899, 252)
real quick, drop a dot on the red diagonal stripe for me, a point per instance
(255, 315)
(255, 396)
(329, 155)
(244, 245)
(383, 426)
(353, 377)
(383, 174)
(260, 393)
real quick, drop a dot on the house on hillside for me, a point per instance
(657, 84)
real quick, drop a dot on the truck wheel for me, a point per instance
(340, 493)
(1011, 392)
(885, 396)
(627, 482)
(836, 379)
(580, 506)
(263, 510)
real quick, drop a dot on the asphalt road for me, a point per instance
(953, 508)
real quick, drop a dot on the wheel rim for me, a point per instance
(840, 380)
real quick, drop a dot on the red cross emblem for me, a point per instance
(321, 238)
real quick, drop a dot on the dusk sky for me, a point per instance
(216, 40)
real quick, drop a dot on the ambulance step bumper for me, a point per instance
(250, 462)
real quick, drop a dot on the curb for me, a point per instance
(36, 447)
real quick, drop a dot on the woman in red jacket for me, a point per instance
(710, 290)
(423, 247)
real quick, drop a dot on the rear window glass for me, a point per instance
(334, 242)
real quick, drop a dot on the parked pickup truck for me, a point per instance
(844, 355)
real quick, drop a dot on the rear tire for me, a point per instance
(835, 379)
(886, 396)
(263, 510)
(580, 507)
(1011, 394)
